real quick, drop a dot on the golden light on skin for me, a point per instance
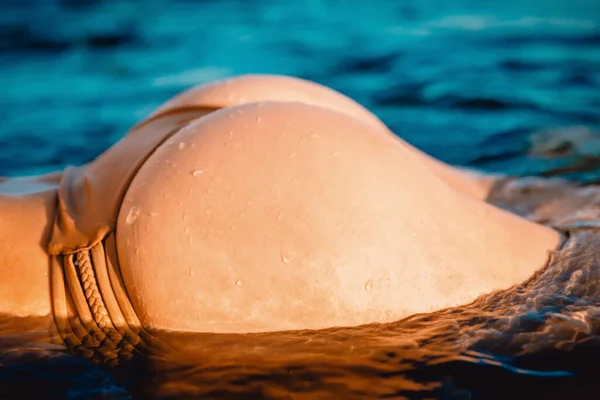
(247, 89)
(25, 227)
(303, 218)
(276, 216)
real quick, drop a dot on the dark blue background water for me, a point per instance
(472, 82)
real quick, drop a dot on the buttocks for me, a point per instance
(274, 216)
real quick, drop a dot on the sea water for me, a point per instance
(503, 86)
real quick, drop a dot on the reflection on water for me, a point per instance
(34, 366)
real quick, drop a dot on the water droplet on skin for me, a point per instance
(197, 172)
(181, 146)
(292, 155)
(233, 143)
(258, 119)
(279, 216)
(187, 230)
(132, 215)
(154, 214)
(239, 283)
(191, 272)
(310, 135)
(230, 134)
(369, 286)
(285, 259)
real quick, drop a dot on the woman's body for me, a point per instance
(268, 217)
(258, 88)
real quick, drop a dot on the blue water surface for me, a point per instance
(511, 86)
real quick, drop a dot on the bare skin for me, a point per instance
(371, 250)
(258, 88)
(38, 196)
(335, 247)
(25, 217)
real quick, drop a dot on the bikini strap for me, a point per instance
(92, 312)
(91, 306)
